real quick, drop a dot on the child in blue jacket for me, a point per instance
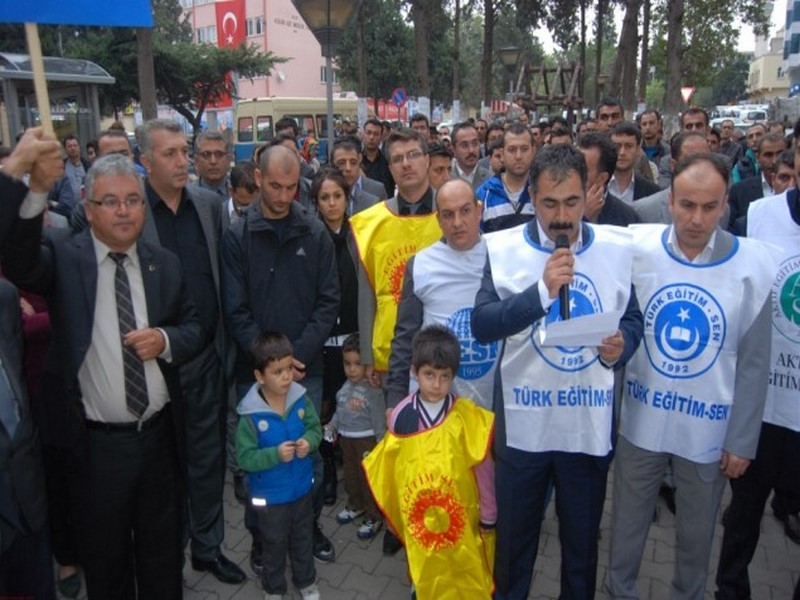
(278, 430)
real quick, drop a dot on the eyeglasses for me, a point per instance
(208, 154)
(112, 203)
(398, 159)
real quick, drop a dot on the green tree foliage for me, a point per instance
(188, 76)
(707, 45)
(731, 81)
(389, 53)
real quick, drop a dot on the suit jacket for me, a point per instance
(63, 268)
(481, 175)
(209, 210)
(643, 187)
(22, 490)
(363, 199)
(740, 197)
(654, 208)
(371, 186)
(616, 212)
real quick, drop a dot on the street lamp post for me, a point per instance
(327, 19)
(509, 56)
(600, 80)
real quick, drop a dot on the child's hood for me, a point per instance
(253, 402)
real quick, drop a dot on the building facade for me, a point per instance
(277, 27)
(768, 79)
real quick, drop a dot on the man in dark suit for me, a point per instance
(541, 437)
(364, 192)
(626, 184)
(25, 560)
(768, 149)
(122, 322)
(187, 221)
(602, 207)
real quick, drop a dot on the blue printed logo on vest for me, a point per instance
(583, 300)
(476, 359)
(786, 300)
(684, 329)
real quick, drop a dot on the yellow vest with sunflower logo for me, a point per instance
(385, 242)
(425, 486)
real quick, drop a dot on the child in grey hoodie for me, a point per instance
(360, 422)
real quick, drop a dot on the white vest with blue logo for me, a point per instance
(446, 281)
(560, 398)
(679, 385)
(769, 220)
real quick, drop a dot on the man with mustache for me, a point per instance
(187, 221)
(467, 152)
(553, 405)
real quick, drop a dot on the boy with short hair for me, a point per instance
(433, 477)
(360, 422)
(278, 430)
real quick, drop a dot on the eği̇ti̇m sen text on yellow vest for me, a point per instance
(425, 486)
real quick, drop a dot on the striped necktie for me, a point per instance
(135, 383)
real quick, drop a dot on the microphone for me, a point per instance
(562, 241)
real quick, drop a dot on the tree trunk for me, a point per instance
(457, 52)
(644, 71)
(600, 16)
(419, 16)
(672, 89)
(362, 53)
(629, 66)
(488, 51)
(147, 80)
(626, 52)
(582, 79)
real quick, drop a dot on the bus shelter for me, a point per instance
(73, 88)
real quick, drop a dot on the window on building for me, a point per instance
(255, 25)
(323, 75)
(207, 35)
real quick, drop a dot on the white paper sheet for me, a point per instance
(586, 330)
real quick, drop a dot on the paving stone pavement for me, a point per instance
(361, 572)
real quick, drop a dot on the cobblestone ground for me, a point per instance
(361, 572)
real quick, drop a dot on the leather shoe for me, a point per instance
(221, 568)
(391, 545)
(791, 525)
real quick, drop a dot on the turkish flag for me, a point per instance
(231, 26)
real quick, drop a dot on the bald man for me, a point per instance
(279, 274)
(439, 288)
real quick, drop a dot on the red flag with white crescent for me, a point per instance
(231, 26)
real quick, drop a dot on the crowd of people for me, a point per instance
(389, 310)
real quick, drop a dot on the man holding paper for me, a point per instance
(694, 391)
(553, 404)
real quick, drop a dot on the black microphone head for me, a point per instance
(562, 241)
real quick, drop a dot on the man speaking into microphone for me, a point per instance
(553, 404)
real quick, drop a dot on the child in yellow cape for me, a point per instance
(432, 476)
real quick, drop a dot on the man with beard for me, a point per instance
(553, 405)
(467, 148)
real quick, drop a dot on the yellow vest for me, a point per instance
(425, 486)
(385, 243)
